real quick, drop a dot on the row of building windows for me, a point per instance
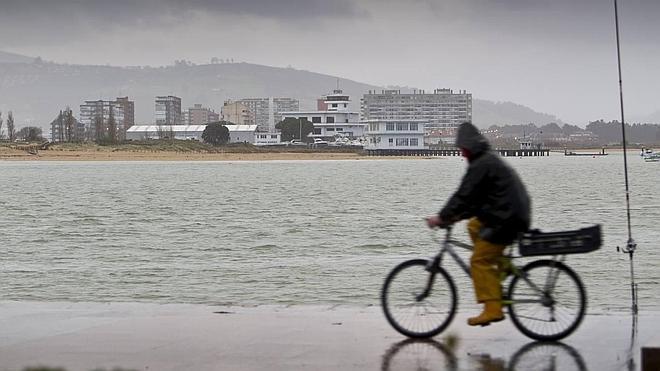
(415, 103)
(428, 118)
(404, 142)
(319, 119)
(400, 142)
(417, 108)
(395, 126)
(401, 126)
(414, 109)
(426, 113)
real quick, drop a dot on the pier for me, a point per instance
(454, 152)
(570, 153)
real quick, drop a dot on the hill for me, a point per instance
(37, 91)
(652, 118)
(486, 113)
(6, 57)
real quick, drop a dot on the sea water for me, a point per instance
(291, 232)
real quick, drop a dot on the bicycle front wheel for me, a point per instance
(416, 302)
(547, 302)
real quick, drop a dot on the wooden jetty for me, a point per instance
(453, 152)
(601, 153)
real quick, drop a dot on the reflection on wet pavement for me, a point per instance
(422, 355)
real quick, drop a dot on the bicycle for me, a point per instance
(546, 299)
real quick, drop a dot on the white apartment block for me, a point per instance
(91, 109)
(268, 111)
(442, 110)
(394, 134)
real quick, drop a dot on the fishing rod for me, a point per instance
(631, 246)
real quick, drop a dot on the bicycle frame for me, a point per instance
(447, 244)
(447, 247)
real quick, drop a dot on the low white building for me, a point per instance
(267, 139)
(242, 133)
(183, 132)
(394, 134)
(237, 133)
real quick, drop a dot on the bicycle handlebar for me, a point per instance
(446, 226)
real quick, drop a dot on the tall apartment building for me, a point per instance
(283, 105)
(443, 109)
(199, 115)
(128, 107)
(268, 111)
(168, 110)
(122, 111)
(237, 113)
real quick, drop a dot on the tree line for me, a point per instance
(28, 133)
(532, 129)
(610, 132)
(605, 132)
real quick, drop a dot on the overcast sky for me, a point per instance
(555, 56)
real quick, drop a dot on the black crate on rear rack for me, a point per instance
(577, 241)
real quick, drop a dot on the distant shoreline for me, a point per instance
(186, 151)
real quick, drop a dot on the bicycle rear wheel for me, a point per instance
(549, 303)
(416, 302)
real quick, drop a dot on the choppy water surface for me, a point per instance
(303, 232)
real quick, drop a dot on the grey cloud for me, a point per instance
(547, 8)
(283, 9)
(121, 10)
(24, 22)
(556, 20)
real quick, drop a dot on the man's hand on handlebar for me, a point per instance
(435, 221)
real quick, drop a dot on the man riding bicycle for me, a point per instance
(494, 198)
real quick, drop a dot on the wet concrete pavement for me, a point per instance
(86, 336)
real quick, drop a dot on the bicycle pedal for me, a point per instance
(493, 321)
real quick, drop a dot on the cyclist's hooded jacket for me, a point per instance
(490, 190)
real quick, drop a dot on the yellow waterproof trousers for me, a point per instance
(484, 265)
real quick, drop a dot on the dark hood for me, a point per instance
(468, 137)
